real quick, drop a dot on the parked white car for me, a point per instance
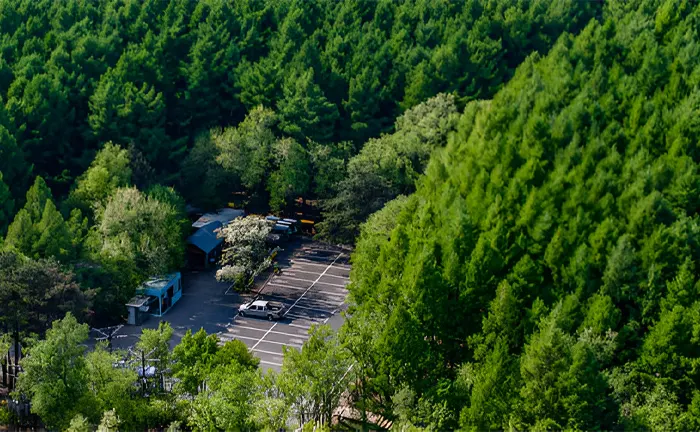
(262, 309)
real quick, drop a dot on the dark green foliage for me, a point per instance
(153, 75)
(7, 205)
(543, 274)
(34, 293)
(387, 166)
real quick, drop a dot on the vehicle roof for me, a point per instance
(259, 303)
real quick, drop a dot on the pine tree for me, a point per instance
(305, 110)
(7, 205)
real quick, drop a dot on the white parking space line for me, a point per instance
(300, 297)
(287, 286)
(276, 354)
(311, 263)
(260, 340)
(299, 326)
(339, 277)
(288, 278)
(266, 333)
(332, 284)
(322, 303)
(312, 285)
(303, 335)
(293, 278)
(305, 318)
(292, 270)
(241, 321)
(333, 313)
(304, 289)
(271, 363)
(311, 309)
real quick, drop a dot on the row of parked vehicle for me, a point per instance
(282, 229)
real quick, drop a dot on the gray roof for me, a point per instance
(206, 238)
(224, 215)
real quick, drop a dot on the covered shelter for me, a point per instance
(204, 246)
(161, 294)
(224, 216)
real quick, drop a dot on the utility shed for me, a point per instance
(138, 308)
(224, 216)
(162, 293)
(204, 246)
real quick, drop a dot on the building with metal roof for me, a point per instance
(155, 296)
(204, 246)
(224, 216)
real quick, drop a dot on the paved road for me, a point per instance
(312, 284)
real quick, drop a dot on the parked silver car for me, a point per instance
(262, 309)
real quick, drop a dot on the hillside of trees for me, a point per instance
(150, 76)
(520, 180)
(116, 114)
(544, 275)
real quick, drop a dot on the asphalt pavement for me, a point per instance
(311, 284)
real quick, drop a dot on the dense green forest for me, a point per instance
(544, 275)
(116, 114)
(520, 180)
(153, 75)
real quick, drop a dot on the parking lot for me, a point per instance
(312, 286)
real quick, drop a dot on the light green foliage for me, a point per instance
(110, 422)
(155, 343)
(247, 150)
(77, 226)
(293, 177)
(112, 388)
(235, 351)
(223, 381)
(194, 357)
(141, 232)
(54, 373)
(174, 427)
(245, 252)
(79, 424)
(313, 379)
(551, 241)
(388, 166)
(228, 401)
(109, 171)
(271, 412)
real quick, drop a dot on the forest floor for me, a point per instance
(312, 284)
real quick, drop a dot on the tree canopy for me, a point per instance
(540, 276)
(520, 179)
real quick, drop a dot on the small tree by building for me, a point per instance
(245, 254)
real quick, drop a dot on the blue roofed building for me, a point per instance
(204, 246)
(155, 297)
